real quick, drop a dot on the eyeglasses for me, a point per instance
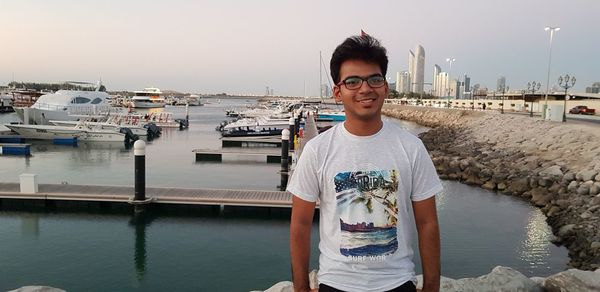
(355, 82)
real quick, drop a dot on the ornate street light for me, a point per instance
(449, 60)
(566, 83)
(552, 30)
(533, 87)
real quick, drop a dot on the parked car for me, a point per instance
(583, 110)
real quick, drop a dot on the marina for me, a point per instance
(196, 207)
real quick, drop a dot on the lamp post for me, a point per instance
(552, 30)
(449, 60)
(566, 83)
(504, 89)
(533, 87)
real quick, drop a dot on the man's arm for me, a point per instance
(429, 242)
(300, 230)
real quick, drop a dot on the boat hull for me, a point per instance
(148, 104)
(46, 132)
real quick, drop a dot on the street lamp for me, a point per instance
(533, 87)
(449, 60)
(564, 83)
(552, 30)
(504, 89)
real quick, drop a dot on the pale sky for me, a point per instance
(244, 46)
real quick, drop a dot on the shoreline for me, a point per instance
(555, 166)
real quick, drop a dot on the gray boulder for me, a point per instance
(573, 280)
(586, 175)
(500, 279)
(566, 230)
(552, 171)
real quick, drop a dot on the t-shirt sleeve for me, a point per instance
(425, 181)
(304, 183)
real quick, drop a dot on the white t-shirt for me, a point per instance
(365, 185)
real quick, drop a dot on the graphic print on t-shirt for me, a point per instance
(366, 204)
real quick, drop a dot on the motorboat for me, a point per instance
(336, 116)
(148, 98)
(82, 131)
(105, 125)
(193, 100)
(67, 105)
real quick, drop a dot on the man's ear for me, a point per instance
(337, 94)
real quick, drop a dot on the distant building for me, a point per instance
(595, 88)
(325, 90)
(416, 68)
(501, 83)
(436, 71)
(268, 92)
(403, 82)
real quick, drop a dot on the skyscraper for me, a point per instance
(501, 83)
(416, 68)
(403, 82)
(436, 71)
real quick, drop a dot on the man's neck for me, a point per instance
(363, 128)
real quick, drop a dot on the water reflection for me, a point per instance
(30, 225)
(534, 249)
(140, 221)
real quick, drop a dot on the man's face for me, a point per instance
(365, 102)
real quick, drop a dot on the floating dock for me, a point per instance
(15, 149)
(121, 194)
(268, 155)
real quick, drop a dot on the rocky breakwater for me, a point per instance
(555, 166)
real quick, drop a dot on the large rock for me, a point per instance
(540, 197)
(586, 175)
(552, 171)
(573, 280)
(519, 186)
(566, 230)
(500, 279)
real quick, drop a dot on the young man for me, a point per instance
(366, 175)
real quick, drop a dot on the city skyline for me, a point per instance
(208, 46)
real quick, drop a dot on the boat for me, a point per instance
(337, 116)
(148, 98)
(66, 105)
(6, 103)
(105, 125)
(81, 132)
(193, 100)
(248, 132)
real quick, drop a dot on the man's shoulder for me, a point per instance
(405, 137)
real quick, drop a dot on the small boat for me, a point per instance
(248, 132)
(339, 116)
(148, 98)
(81, 132)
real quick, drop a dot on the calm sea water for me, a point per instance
(232, 252)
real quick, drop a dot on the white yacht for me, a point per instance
(67, 105)
(148, 98)
(193, 100)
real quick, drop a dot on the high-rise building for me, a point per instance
(441, 85)
(268, 92)
(436, 71)
(501, 84)
(403, 82)
(325, 90)
(595, 88)
(416, 68)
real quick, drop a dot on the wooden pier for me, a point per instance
(121, 194)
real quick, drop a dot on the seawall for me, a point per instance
(555, 166)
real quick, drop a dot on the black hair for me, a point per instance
(365, 48)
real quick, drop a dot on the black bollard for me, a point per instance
(292, 123)
(139, 151)
(285, 161)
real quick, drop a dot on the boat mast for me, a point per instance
(320, 76)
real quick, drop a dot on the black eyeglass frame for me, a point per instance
(362, 79)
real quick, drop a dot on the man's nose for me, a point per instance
(365, 87)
